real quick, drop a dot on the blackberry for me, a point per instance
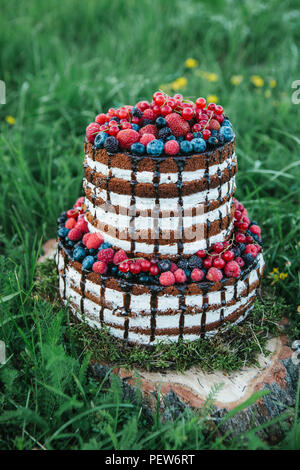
(164, 265)
(242, 247)
(144, 278)
(114, 270)
(256, 237)
(164, 133)
(62, 218)
(195, 262)
(237, 251)
(183, 264)
(115, 118)
(111, 144)
(136, 112)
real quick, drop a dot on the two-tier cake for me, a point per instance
(159, 249)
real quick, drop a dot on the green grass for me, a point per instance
(62, 63)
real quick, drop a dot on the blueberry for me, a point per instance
(187, 273)
(135, 127)
(114, 270)
(248, 258)
(227, 133)
(62, 232)
(137, 149)
(170, 137)
(213, 141)
(221, 139)
(226, 123)
(155, 147)
(242, 247)
(100, 139)
(164, 265)
(70, 243)
(88, 262)
(160, 122)
(199, 144)
(111, 144)
(214, 133)
(144, 278)
(186, 146)
(197, 135)
(79, 253)
(104, 246)
(195, 262)
(92, 251)
(62, 219)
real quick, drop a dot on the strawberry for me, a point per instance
(179, 126)
(127, 137)
(91, 131)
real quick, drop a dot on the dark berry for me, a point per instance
(88, 262)
(79, 253)
(248, 258)
(63, 232)
(160, 122)
(136, 112)
(146, 122)
(183, 264)
(164, 265)
(195, 262)
(111, 144)
(164, 133)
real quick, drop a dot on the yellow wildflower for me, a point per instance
(236, 79)
(283, 275)
(212, 77)
(275, 270)
(298, 309)
(179, 83)
(268, 93)
(191, 63)
(212, 99)
(10, 120)
(299, 243)
(257, 81)
(273, 83)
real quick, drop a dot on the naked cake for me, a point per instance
(159, 249)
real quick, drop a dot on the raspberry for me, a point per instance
(79, 201)
(149, 114)
(167, 278)
(214, 275)
(100, 267)
(179, 126)
(127, 137)
(91, 131)
(85, 238)
(149, 129)
(82, 226)
(171, 147)
(255, 229)
(106, 255)
(240, 261)
(70, 223)
(74, 234)
(119, 256)
(146, 138)
(101, 118)
(197, 275)
(252, 250)
(232, 269)
(180, 275)
(93, 241)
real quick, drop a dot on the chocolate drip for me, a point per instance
(109, 175)
(155, 181)
(102, 299)
(235, 296)
(82, 287)
(223, 303)
(64, 277)
(203, 316)
(182, 309)
(153, 305)
(180, 165)
(132, 212)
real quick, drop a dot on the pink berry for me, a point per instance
(70, 223)
(201, 253)
(255, 229)
(106, 255)
(218, 263)
(91, 131)
(240, 237)
(180, 275)
(167, 278)
(252, 250)
(100, 267)
(146, 138)
(228, 255)
(240, 261)
(207, 262)
(197, 275)
(94, 241)
(145, 265)
(82, 226)
(171, 147)
(75, 234)
(214, 275)
(218, 247)
(119, 256)
(232, 269)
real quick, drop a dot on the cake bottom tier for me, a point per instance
(146, 315)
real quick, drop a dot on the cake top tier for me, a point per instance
(165, 126)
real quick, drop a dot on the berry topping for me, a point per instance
(100, 267)
(91, 131)
(232, 269)
(127, 137)
(197, 275)
(93, 240)
(171, 147)
(167, 278)
(74, 234)
(180, 275)
(119, 256)
(106, 255)
(178, 125)
(214, 275)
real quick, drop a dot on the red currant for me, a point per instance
(201, 253)
(154, 270)
(219, 110)
(228, 255)
(113, 130)
(218, 247)
(145, 265)
(187, 113)
(200, 103)
(206, 134)
(197, 127)
(124, 267)
(166, 109)
(189, 136)
(207, 262)
(218, 263)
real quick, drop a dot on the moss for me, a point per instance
(228, 351)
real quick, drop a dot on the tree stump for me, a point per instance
(277, 373)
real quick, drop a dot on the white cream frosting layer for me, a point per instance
(165, 178)
(143, 221)
(140, 304)
(169, 204)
